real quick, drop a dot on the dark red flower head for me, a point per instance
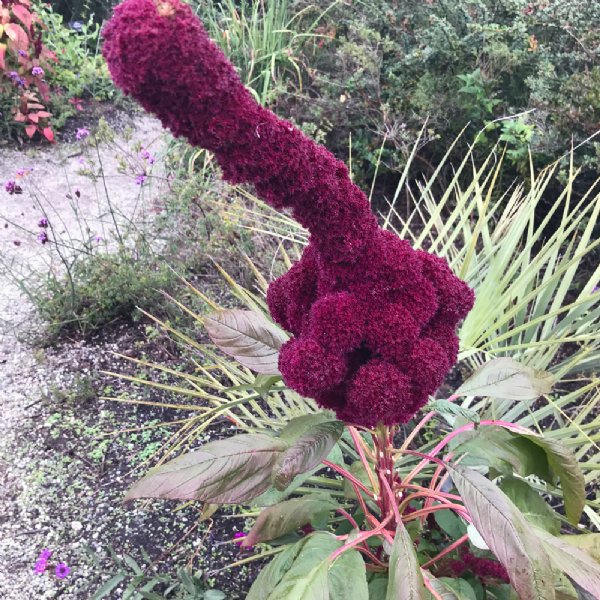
(373, 320)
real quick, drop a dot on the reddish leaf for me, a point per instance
(20, 117)
(2, 54)
(48, 134)
(44, 114)
(30, 130)
(32, 105)
(16, 34)
(22, 14)
(33, 117)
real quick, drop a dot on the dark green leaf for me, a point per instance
(288, 516)
(226, 471)
(298, 426)
(507, 533)
(507, 379)
(405, 579)
(378, 588)
(248, 337)
(306, 452)
(450, 523)
(564, 465)
(533, 507)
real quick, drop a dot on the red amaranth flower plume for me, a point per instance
(373, 320)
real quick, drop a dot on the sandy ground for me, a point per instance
(76, 208)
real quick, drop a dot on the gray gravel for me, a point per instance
(29, 376)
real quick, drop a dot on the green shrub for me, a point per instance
(81, 72)
(389, 66)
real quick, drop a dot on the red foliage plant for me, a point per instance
(24, 61)
(373, 320)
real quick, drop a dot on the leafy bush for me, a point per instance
(81, 72)
(389, 66)
(25, 64)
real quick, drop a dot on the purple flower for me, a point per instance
(21, 172)
(43, 222)
(82, 133)
(77, 192)
(40, 566)
(45, 554)
(148, 157)
(17, 242)
(22, 53)
(240, 538)
(42, 238)
(140, 179)
(98, 238)
(62, 570)
(37, 72)
(12, 188)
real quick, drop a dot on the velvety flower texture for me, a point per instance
(373, 320)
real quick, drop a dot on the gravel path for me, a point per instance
(29, 378)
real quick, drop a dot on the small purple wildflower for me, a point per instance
(140, 179)
(21, 172)
(43, 222)
(12, 188)
(77, 192)
(45, 554)
(42, 238)
(98, 238)
(62, 570)
(17, 242)
(16, 78)
(37, 72)
(147, 157)
(40, 566)
(82, 133)
(22, 53)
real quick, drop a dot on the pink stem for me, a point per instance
(430, 588)
(359, 448)
(349, 517)
(365, 535)
(347, 475)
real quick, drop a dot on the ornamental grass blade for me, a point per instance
(248, 337)
(306, 452)
(507, 533)
(507, 379)
(578, 565)
(405, 581)
(226, 471)
(288, 516)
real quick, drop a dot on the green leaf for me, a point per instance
(226, 471)
(530, 454)
(248, 337)
(378, 588)
(214, 595)
(298, 426)
(405, 579)
(507, 379)
(578, 565)
(459, 588)
(306, 452)
(450, 523)
(313, 585)
(507, 533)
(305, 567)
(108, 586)
(348, 577)
(447, 408)
(270, 576)
(288, 516)
(564, 465)
(533, 507)
(502, 450)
